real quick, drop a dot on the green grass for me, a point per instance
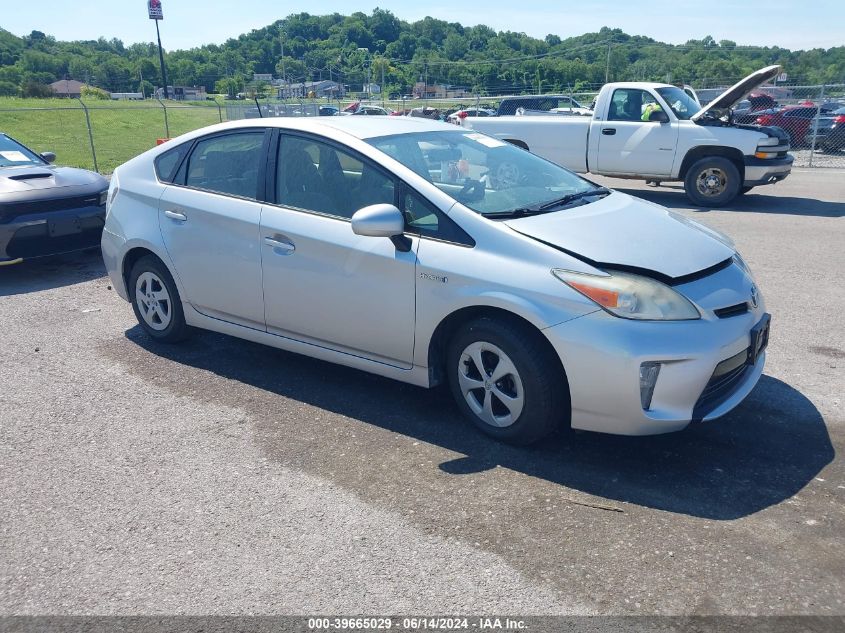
(120, 129)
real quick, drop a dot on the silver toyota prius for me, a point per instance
(432, 254)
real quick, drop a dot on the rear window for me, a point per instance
(167, 164)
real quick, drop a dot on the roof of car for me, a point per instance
(362, 127)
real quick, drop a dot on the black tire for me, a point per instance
(175, 329)
(712, 181)
(540, 380)
(744, 190)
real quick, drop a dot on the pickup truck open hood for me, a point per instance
(622, 231)
(736, 93)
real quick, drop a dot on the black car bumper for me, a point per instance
(50, 233)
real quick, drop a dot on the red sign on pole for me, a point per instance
(154, 7)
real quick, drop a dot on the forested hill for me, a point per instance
(327, 46)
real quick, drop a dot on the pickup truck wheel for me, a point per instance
(712, 182)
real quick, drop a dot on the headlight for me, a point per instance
(631, 296)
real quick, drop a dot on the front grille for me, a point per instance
(48, 206)
(729, 311)
(727, 376)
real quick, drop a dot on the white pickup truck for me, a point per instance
(655, 132)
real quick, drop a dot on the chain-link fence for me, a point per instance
(102, 135)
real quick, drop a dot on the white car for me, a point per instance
(390, 245)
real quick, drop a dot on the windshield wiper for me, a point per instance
(598, 191)
(546, 206)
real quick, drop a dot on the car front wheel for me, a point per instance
(712, 182)
(156, 302)
(505, 379)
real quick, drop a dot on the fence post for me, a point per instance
(816, 125)
(166, 123)
(90, 134)
(219, 110)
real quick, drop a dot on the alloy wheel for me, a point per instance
(490, 383)
(153, 301)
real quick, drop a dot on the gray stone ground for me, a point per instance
(224, 477)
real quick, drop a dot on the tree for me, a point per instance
(36, 90)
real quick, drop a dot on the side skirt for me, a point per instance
(415, 375)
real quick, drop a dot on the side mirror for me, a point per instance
(659, 115)
(49, 156)
(382, 220)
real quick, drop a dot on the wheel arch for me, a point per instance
(135, 252)
(710, 151)
(439, 341)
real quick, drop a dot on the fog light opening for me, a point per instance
(648, 378)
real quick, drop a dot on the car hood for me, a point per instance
(736, 93)
(622, 231)
(37, 177)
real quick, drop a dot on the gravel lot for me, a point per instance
(221, 477)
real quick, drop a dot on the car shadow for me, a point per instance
(56, 271)
(761, 454)
(673, 196)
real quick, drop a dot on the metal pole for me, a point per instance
(382, 83)
(161, 61)
(816, 125)
(166, 122)
(607, 68)
(90, 135)
(219, 110)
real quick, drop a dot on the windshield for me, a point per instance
(13, 154)
(485, 174)
(681, 103)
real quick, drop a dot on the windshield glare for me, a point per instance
(485, 174)
(13, 154)
(681, 103)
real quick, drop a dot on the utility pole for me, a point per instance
(155, 12)
(284, 74)
(382, 83)
(607, 68)
(161, 58)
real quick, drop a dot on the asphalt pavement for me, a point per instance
(223, 477)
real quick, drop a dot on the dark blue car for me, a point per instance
(44, 209)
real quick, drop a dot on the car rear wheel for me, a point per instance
(712, 182)
(156, 302)
(506, 381)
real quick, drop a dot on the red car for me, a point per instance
(796, 120)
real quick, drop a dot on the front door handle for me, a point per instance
(285, 247)
(608, 131)
(175, 215)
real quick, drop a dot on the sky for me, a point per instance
(189, 23)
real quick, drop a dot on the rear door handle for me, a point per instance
(608, 131)
(175, 215)
(286, 248)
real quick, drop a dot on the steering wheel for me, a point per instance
(472, 191)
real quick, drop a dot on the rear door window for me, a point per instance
(228, 164)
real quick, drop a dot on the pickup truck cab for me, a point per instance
(656, 132)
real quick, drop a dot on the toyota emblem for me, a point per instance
(753, 296)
